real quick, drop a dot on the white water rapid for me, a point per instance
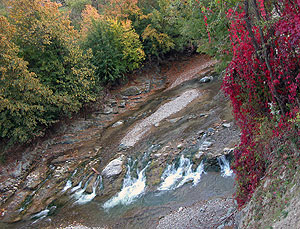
(42, 214)
(80, 191)
(173, 177)
(226, 171)
(85, 198)
(132, 189)
(69, 182)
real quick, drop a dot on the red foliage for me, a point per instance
(262, 81)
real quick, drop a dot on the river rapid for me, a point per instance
(156, 155)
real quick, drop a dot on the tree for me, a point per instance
(262, 81)
(49, 44)
(115, 44)
(25, 103)
(44, 73)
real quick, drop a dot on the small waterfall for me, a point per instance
(85, 198)
(181, 175)
(76, 187)
(225, 166)
(42, 214)
(77, 195)
(192, 176)
(67, 186)
(132, 189)
(69, 182)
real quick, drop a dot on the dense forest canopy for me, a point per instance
(57, 55)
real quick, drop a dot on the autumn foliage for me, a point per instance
(262, 81)
(44, 73)
(115, 45)
(49, 69)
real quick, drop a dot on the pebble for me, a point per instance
(122, 104)
(206, 79)
(118, 123)
(226, 125)
(210, 130)
(179, 146)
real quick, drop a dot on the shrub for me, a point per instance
(262, 81)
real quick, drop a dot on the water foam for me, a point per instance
(173, 177)
(132, 189)
(226, 171)
(85, 198)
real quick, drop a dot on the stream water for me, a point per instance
(136, 206)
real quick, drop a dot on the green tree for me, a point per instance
(49, 44)
(115, 44)
(25, 104)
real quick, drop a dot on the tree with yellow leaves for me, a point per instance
(116, 46)
(25, 103)
(49, 43)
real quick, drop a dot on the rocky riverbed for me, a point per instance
(154, 146)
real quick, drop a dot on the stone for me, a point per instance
(199, 154)
(210, 130)
(179, 146)
(112, 103)
(122, 104)
(205, 145)
(226, 125)
(131, 91)
(157, 155)
(228, 150)
(206, 79)
(17, 170)
(174, 120)
(122, 147)
(107, 110)
(113, 168)
(118, 123)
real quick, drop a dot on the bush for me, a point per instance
(262, 81)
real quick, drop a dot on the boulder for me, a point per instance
(114, 167)
(226, 125)
(118, 123)
(131, 91)
(206, 79)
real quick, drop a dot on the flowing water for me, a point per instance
(136, 206)
(225, 166)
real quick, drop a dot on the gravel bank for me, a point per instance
(217, 213)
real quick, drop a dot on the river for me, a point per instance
(157, 155)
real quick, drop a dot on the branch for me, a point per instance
(249, 29)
